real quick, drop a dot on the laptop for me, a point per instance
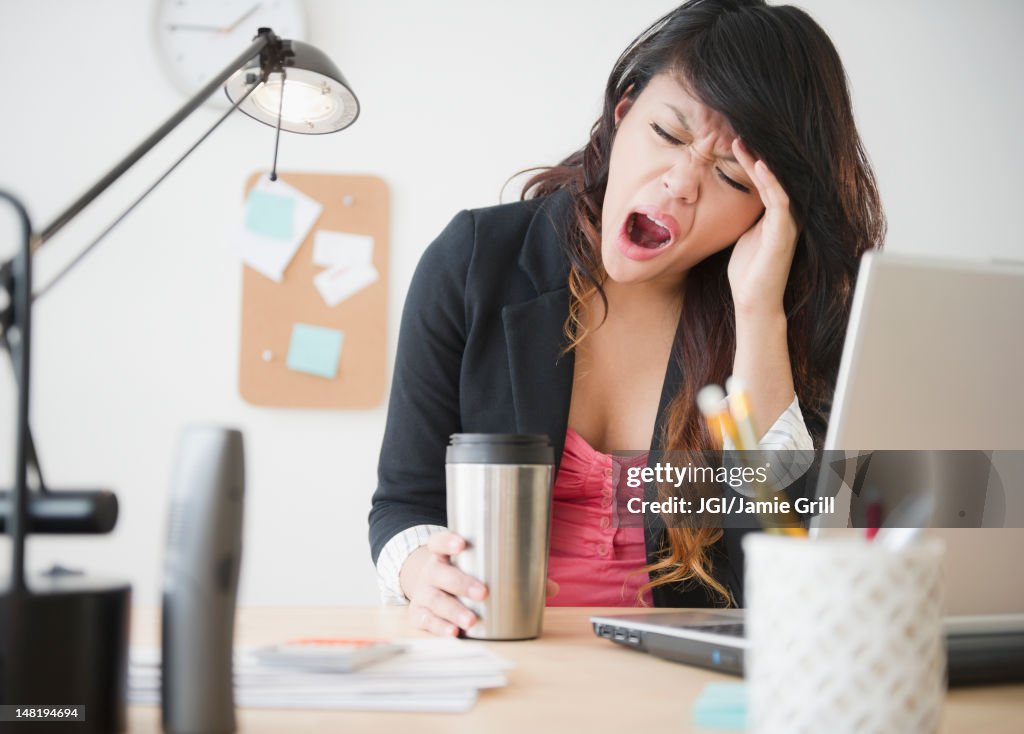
(984, 648)
(901, 385)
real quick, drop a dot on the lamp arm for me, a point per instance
(263, 40)
(138, 200)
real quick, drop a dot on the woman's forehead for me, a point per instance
(671, 94)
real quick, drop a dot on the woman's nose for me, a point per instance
(682, 180)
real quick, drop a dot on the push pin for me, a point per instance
(348, 200)
(267, 355)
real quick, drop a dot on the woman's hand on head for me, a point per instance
(432, 585)
(760, 262)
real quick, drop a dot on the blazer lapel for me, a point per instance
(541, 376)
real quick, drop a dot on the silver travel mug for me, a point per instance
(499, 500)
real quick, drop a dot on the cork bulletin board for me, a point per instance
(271, 310)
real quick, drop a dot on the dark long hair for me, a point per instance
(774, 74)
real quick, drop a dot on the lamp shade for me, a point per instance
(317, 99)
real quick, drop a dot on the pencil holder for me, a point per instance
(844, 636)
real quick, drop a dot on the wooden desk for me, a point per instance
(568, 680)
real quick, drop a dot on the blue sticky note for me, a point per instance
(270, 214)
(315, 350)
(722, 706)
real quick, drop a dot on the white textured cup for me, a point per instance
(845, 636)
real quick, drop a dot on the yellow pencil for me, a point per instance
(712, 403)
(739, 406)
(742, 414)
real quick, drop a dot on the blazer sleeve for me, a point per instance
(424, 410)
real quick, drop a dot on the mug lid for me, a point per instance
(500, 448)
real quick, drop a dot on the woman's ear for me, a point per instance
(624, 105)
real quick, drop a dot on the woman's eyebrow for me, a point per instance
(728, 157)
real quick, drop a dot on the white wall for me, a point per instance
(457, 96)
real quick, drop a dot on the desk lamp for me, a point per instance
(64, 640)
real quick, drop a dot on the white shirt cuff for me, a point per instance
(393, 556)
(790, 444)
(788, 433)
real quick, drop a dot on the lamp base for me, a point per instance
(65, 643)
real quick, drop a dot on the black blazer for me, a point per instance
(478, 352)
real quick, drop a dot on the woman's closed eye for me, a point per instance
(669, 138)
(664, 135)
(735, 184)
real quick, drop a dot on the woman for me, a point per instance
(711, 226)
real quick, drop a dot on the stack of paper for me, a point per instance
(441, 675)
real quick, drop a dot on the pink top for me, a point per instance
(592, 562)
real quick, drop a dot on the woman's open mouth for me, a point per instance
(646, 233)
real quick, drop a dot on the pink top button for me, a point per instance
(593, 564)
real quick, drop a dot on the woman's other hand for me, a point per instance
(432, 585)
(760, 262)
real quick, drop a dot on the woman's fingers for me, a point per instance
(768, 187)
(444, 576)
(425, 619)
(446, 543)
(439, 612)
(771, 190)
(441, 574)
(449, 609)
(435, 605)
(746, 160)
